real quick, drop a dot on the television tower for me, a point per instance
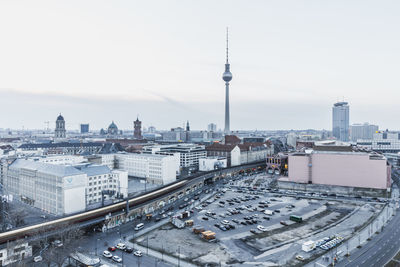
(227, 77)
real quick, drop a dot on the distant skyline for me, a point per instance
(98, 61)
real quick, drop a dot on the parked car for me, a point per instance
(254, 231)
(39, 258)
(261, 228)
(300, 258)
(57, 243)
(128, 249)
(137, 253)
(116, 259)
(121, 246)
(107, 254)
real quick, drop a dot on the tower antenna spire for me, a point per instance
(227, 47)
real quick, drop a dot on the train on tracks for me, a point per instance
(40, 228)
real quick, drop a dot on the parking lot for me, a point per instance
(252, 223)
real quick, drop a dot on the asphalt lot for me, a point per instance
(245, 197)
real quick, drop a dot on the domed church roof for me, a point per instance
(60, 118)
(112, 126)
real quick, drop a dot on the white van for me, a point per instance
(139, 227)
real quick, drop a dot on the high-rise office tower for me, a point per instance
(340, 121)
(212, 127)
(227, 77)
(84, 128)
(60, 131)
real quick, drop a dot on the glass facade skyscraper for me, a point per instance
(340, 121)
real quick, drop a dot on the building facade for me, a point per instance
(189, 154)
(157, 169)
(340, 121)
(56, 189)
(63, 189)
(230, 152)
(102, 182)
(384, 141)
(14, 254)
(84, 128)
(340, 167)
(212, 163)
(212, 127)
(362, 131)
(60, 131)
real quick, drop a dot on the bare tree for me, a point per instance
(58, 254)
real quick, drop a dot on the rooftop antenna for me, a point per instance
(227, 40)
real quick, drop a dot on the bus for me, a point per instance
(296, 218)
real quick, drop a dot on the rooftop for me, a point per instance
(52, 169)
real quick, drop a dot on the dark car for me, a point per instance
(254, 221)
(254, 231)
(243, 222)
(217, 225)
(277, 211)
(128, 249)
(235, 220)
(266, 218)
(157, 219)
(232, 226)
(205, 218)
(223, 228)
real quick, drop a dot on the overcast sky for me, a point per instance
(97, 61)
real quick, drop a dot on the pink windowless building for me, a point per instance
(342, 168)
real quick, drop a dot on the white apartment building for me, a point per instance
(189, 154)
(12, 254)
(362, 131)
(57, 189)
(63, 189)
(108, 160)
(256, 154)
(101, 181)
(158, 169)
(386, 142)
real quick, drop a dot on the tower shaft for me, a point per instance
(227, 117)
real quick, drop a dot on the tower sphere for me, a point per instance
(227, 76)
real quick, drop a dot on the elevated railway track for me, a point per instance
(147, 197)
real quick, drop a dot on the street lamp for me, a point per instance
(96, 245)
